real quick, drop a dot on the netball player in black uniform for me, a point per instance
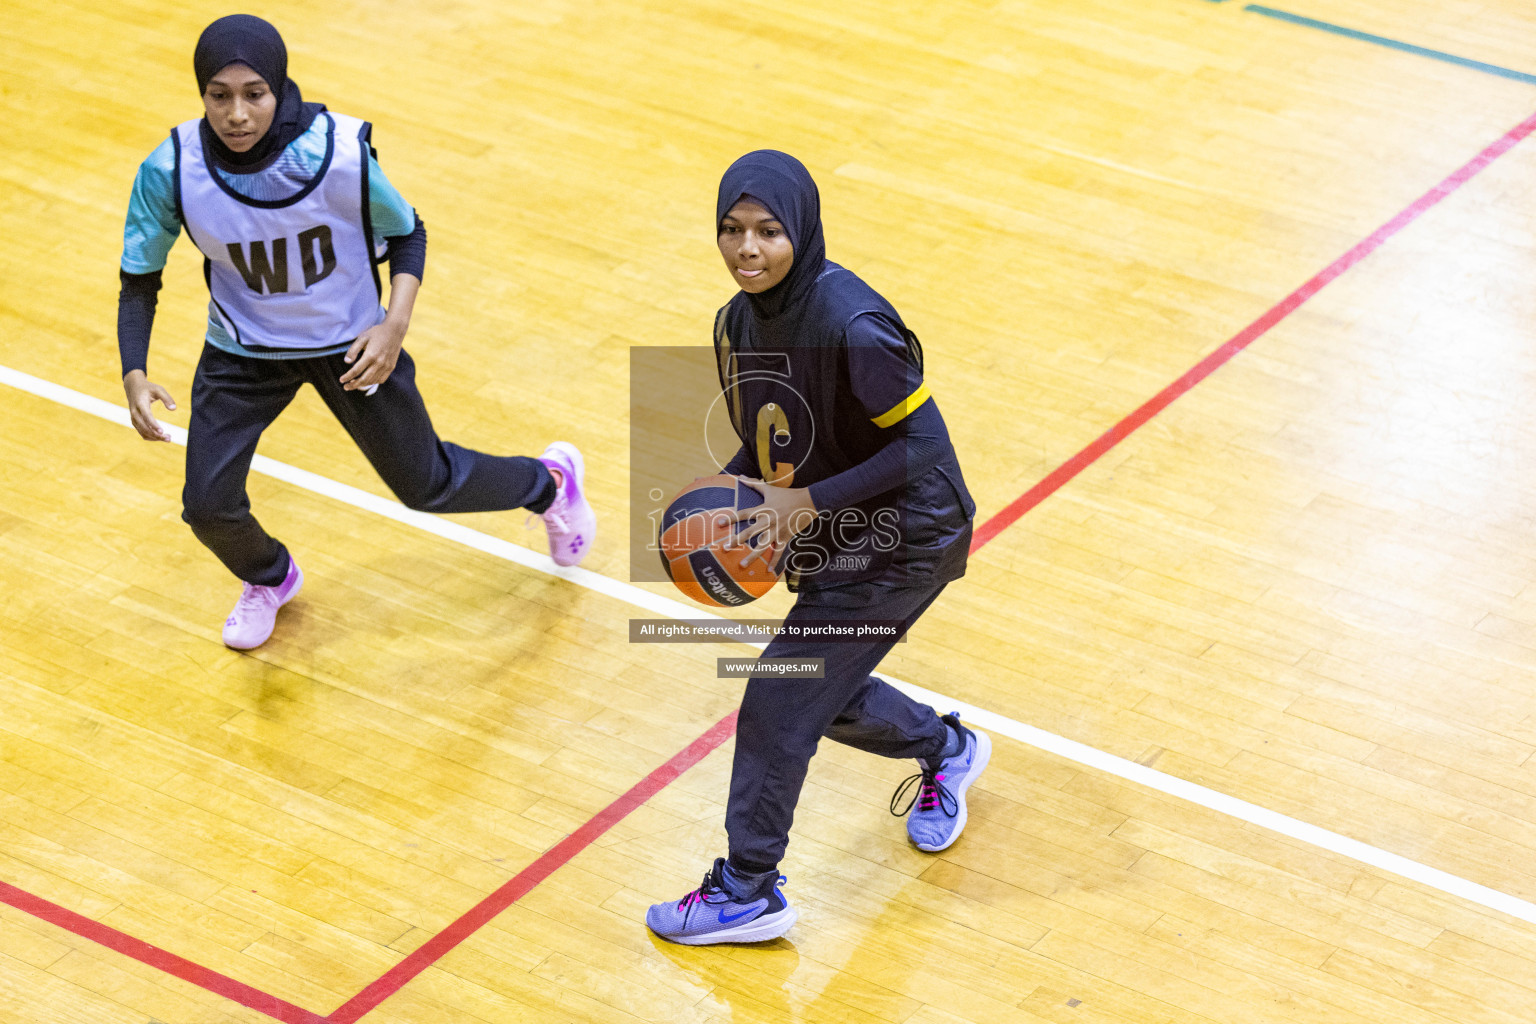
(287, 203)
(825, 388)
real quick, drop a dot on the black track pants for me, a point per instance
(234, 398)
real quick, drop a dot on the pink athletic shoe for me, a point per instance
(255, 613)
(569, 520)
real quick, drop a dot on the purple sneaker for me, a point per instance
(569, 520)
(938, 808)
(255, 613)
(710, 914)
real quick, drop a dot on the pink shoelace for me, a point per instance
(706, 888)
(931, 793)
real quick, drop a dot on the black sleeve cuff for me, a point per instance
(741, 464)
(136, 317)
(408, 253)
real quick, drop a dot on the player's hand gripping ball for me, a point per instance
(699, 547)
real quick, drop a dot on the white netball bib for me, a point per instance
(289, 273)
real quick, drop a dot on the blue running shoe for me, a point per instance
(711, 914)
(938, 807)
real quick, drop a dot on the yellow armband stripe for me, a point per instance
(904, 408)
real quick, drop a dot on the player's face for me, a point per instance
(240, 107)
(755, 246)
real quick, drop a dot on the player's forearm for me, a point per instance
(402, 299)
(917, 445)
(136, 302)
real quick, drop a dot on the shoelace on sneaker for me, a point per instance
(252, 595)
(554, 516)
(707, 888)
(711, 887)
(550, 519)
(931, 792)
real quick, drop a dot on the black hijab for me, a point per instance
(780, 183)
(246, 39)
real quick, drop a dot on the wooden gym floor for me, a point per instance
(1308, 583)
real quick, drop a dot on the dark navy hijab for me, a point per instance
(780, 183)
(247, 39)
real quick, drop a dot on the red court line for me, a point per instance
(428, 954)
(158, 958)
(1284, 308)
(523, 882)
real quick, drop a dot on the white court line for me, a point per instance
(1059, 745)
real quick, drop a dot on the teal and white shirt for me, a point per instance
(260, 305)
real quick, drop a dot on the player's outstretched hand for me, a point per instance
(143, 393)
(785, 511)
(373, 355)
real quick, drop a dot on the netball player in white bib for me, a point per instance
(288, 206)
